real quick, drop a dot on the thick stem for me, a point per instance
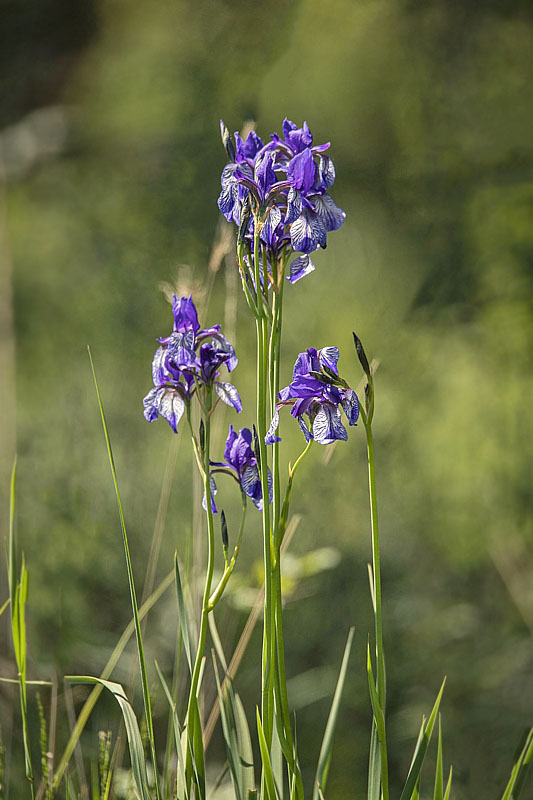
(268, 656)
(378, 615)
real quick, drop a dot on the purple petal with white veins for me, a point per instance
(212, 491)
(326, 172)
(251, 485)
(294, 206)
(300, 267)
(308, 233)
(227, 199)
(304, 429)
(271, 437)
(327, 425)
(350, 405)
(158, 366)
(330, 215)
(151, 403)
(229, 395)
(328, 357)
(166, 402)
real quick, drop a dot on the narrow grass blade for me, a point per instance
(177, 732)
(198, 750)
(105, 674)
(133, 595)
(3, 608)
(18, 593)
(182, 613)
(265, 759)
(138, 764)
(379, 719)
(421, 749)
(374, 766)
(520, 769)
(439, 777)
(448, 786)
(324, 758)
(230, 738)
(236, 723)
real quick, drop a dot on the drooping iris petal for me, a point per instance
(158, 366)
(294, 206)
(212, 491)
(327, 425)
(304, 429)
(326, 172)
(164, 401)
(251, 485)
(228, 394)
(300, 267)
(308, 232)
(271, 437)
(350, 405)
(331, 216)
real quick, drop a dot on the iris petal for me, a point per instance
(327, 425)
(228, 394)
(300, 267)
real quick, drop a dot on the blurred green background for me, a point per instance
(110, 160)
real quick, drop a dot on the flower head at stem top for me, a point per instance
(284, 185)
(317, 391)
(240, 459)
(188, 360)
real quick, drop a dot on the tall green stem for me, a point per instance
(267, 705)
(378, 614)
(210, 561)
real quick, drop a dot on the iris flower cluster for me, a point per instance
(282, 188)
(186, 361)
(318, 393)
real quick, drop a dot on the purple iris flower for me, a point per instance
(239, 457)
(317, 391)
(285, 181)
(188, 358)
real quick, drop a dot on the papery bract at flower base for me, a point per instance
(317, 391)
(187, 359)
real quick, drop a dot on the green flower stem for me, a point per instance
(268, 656)
(282, 527)
(378, 614)
(217, 593)
(274, 353)
(210, 563)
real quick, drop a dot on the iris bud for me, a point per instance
(361, 355)
(226, 141)
(201, 435)
(224, 530)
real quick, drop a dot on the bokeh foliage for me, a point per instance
(429, 109)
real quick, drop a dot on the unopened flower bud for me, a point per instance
(201, 435)
(226, 141)
(361, 355)
(224, 530)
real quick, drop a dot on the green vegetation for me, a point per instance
(429, 108)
